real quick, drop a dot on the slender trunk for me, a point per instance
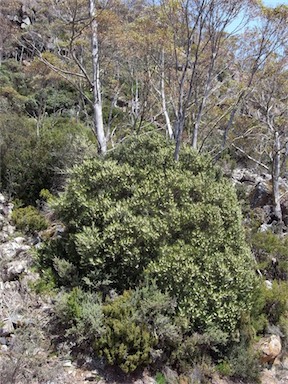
(163, 98)
(38, 124)
(228, 126)
(179, 127)
(110, 117)
(97, 100)
(275, 178)
(1, 51)
(197, 122)
(135, 104)
(204, 100)
(285, 155)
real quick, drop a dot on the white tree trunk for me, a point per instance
(97, 100)
(163, 98)
(275, 178)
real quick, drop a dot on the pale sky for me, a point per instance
(273, 3)
(270, 3)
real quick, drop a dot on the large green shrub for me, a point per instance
(138, 213)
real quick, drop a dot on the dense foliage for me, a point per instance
(31, 161)
(125, 341)
(28, 219)
(139, 214)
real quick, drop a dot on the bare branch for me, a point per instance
(250, 157)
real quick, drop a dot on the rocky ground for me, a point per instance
(27, 354)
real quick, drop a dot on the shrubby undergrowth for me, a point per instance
(32, 161)
(41, 133)
(28, 219)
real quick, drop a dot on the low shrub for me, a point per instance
(270, 307)
(139, 328)
(80, 313)
(276, 302)
(29, 219)
(31, 161)
(244, 363)
(239, 359)
(66, 272)
(160, 378)
(46, 283)
(125, 342)
(267, 245)
(224, 368)
(257, 317)
(193, 350)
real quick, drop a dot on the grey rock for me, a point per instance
(18, 320)
(12, 286)
(285, 363)
(4, 348)
(9, 229)
(260, 195)
(47, 309)
(265, 227)
(28, 278)
(3, 341)
(4, 237)
(2, 199)
(50, 46)
(148, 380)
(244, 175)
(10, 249)
(14, 269)
(19, 240)
(26, 20)
(2, 217)
(7, 328)
(4, 210)
(10, 207)
(67, 364)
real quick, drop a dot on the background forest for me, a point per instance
(122, 124)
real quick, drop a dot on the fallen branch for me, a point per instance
(250, 157)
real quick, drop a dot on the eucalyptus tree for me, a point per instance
(198, 30)
(267, 106)
(69, 34)
(264, 39)
(97, 97)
